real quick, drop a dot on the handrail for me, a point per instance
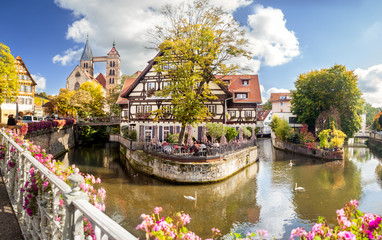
(52, 220)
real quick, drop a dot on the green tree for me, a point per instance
(319, 90)
(80, 102)
(194, 47)
(215, 130)
(370, 113)
(97, 101)
(62, 102)
(230, 133)
(9, 84)
(267, 105)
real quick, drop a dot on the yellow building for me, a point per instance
(25, 98)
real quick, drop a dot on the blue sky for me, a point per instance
(287, 37)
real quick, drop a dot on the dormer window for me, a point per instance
(227, 82)
(241, 95)
(283, 97)
(245, 83)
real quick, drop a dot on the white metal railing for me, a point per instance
(52, 220)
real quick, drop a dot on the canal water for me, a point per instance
(260, 197)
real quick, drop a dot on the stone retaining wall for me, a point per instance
(317, 153)
(54, 141)
(190, 172)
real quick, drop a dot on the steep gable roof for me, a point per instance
(126, 86)
(20, 60)
(262, 114)
(101, 80)
(236, 86)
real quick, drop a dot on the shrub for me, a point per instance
(173, 138)
(247, 133)
(275, 122)
(292, 136)
(215, 130)
(282, 129)
(305, 135)
(230, 133)
(332, 138)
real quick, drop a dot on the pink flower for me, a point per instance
(262, 233)
(298, 232)
(345, 235)
(184, 218)
(157, 210)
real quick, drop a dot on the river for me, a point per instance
(261, 196)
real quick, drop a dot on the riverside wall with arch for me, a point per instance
(183, 169)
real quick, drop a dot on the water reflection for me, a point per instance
(260, 197)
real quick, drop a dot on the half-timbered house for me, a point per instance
(237, 98)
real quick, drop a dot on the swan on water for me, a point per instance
(298, 188)
(191, 197)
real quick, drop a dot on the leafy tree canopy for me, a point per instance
(319, 90)
(370, 113)
(267, 105)
(9, 84)
(196, 45)
(97, 100)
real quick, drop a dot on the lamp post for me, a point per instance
(225, 109)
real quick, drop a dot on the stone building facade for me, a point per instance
(85, 71)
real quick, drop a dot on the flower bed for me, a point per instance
(36, 185)
(352, 224)
(38, 126)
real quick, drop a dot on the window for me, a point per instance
(241, 95)
(166, 109)
(166, 130)
(282, 103)
(165, 84)
(283, 97)
(76, 86)
(245, 83)
(113, 72)
(212, 109)
(113, 64)
(139, 109)
(232, 114)
(78, 74)
(248, 113)
(151, 85)
(148, 132)
(147, 108)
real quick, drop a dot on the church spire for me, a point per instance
(87, 54)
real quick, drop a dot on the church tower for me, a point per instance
(87, 59)
(112, 69)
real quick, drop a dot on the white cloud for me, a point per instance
(68, 57)
(41, 82)
(370, 83)
(130, 23)
(269, 38)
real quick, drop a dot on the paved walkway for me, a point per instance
(9, 227)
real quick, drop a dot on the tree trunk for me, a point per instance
(181, 134)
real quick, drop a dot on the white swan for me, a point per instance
(191, 197)
(291, 163)
(298, 188)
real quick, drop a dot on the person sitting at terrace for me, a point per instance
(216, 144)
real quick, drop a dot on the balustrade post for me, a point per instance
(73, 228)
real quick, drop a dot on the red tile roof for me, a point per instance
(101, 80)
(262, 114)
(126, 86)
(113, 51)
(236, 86)
(280, 97)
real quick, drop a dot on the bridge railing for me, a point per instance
(52, 219)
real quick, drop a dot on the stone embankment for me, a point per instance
(170, 169)
(311, 152)
(54, 141)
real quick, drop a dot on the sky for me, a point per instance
(286, 37)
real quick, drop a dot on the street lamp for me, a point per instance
(225, 109)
